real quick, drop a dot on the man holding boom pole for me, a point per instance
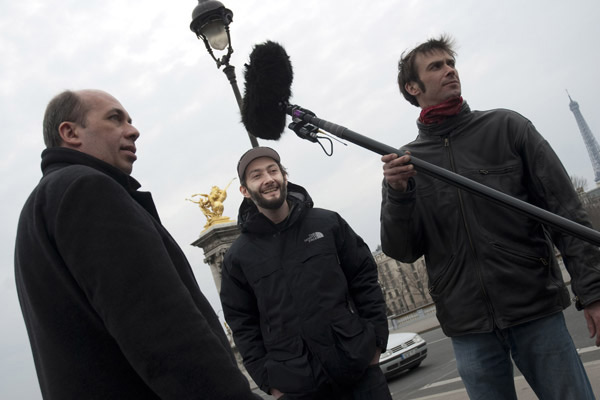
(495, 280)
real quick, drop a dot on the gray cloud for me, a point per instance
(513, 54)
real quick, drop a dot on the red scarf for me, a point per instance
(439, 112)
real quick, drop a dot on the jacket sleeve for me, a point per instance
(553, 190)
(401, 236)
(360, 270)
(242, 315)
(119, 259)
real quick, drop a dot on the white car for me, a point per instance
(404, 351)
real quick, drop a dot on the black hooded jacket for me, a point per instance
(303, 290)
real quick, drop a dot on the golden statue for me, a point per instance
(211, 205)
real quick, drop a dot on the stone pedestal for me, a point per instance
(215, 242)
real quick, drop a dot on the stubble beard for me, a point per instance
(274, 204)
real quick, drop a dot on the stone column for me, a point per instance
(215, 242)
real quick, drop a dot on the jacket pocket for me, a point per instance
(528, 282)
(530, 258)
(260, 270)
(441, 279)
(352, 351)
(318, 271)
(289, 368)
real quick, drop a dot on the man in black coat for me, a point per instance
(300, 292)
(493, 274)
(110, 302)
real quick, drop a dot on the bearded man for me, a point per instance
(300, 292)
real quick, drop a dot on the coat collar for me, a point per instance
(58, 157)
(448, 125)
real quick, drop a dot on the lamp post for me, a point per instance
(210, 22)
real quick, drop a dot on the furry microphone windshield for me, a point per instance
(267, 91)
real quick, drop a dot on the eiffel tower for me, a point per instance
(588, 138)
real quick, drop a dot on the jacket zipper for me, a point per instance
(494, 172)
(542, 260)
(435, 283)
(469, 236)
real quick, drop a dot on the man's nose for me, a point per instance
(132, 132)
(268, 179)
(450, 69)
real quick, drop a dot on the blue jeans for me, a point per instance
(542, 350)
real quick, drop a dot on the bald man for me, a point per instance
(110, 302)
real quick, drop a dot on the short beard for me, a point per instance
(259, 201)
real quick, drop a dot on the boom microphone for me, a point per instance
(265, 105)
(268, 86)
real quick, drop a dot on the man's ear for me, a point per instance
(244, 192)
(412, 88)
(69, 134)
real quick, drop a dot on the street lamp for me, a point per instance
(210, 22)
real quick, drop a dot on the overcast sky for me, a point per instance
(512, 54)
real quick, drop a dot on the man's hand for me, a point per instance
(375, 359)
(592, 317)
(397, 171)
(276, 393)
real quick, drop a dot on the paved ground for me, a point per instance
(524, 392)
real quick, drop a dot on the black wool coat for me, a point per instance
(110, 302)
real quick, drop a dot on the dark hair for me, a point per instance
(407, 69)
(66, 106)
(281, 168)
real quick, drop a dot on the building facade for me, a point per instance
(405, 286)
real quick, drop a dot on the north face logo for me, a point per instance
(314, 236)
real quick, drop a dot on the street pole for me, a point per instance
(210, 22)
(229, 71)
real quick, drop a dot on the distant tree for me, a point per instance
(579, 183)
(591, 204)
(415, 278)
(593, 210)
